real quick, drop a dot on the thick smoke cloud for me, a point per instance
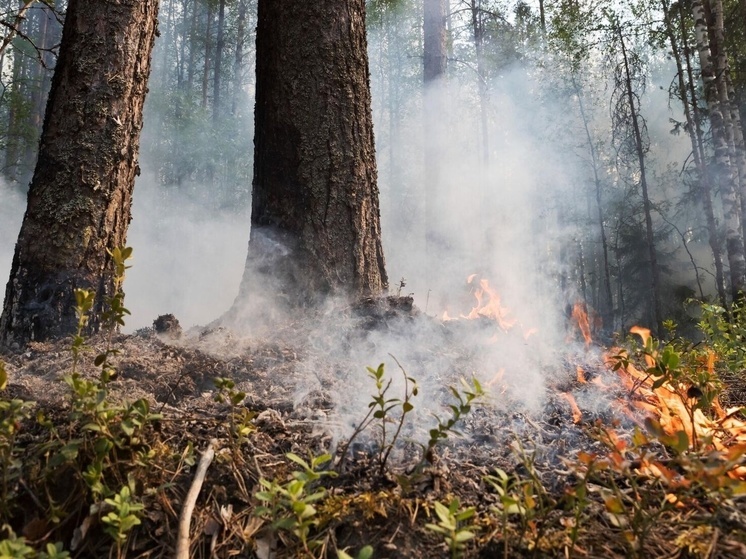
(12, 206)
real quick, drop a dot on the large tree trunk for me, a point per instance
(315, 217)
(80, 196)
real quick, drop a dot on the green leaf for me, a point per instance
(3, 376)
(298, 460)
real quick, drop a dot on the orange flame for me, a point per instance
(667, 405)
(580, 317)
(577, 415)
(488, 304)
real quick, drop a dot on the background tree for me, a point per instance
(80, 197)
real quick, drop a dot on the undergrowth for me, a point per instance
(102, 475)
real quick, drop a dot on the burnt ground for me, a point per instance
(542, 450)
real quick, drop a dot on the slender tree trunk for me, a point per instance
(695, 136)
(435, 14)
(192, 46)
(238, 60)
(607, 311)
(725, 174)
(80, 196)
(315, 218)
(647, 206)
(208, 55)
(477, 24)
(180, 76)
(218, 62)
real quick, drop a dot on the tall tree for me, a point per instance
(725, 171)
(314, 190)
(435, 55)
(626, 113)
(80, 196)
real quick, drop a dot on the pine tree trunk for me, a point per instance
(315, 217)
(80, 196)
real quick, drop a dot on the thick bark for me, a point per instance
(315, 217)
(80, 196)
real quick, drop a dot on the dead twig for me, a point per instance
(185, 520)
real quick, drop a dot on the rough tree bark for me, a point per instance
(315, 217)
(80, 196)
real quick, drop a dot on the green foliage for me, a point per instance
(382, 408)
(107, 427)
(289, 506)
(13, 412)
(522, 498)
(365, 553)
(240, 419)
(123, 515)
(13, 547)
(451, 526)
(462, 407)
(724, 334)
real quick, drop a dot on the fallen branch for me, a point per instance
(185, 520)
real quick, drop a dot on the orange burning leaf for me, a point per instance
(577, 415)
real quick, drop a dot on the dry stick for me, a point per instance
(182, 540)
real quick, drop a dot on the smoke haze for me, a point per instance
(510, 217)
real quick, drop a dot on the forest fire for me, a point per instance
(488, 305)
(676, 405)
(673, 407)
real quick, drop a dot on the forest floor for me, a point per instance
(506, 480)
